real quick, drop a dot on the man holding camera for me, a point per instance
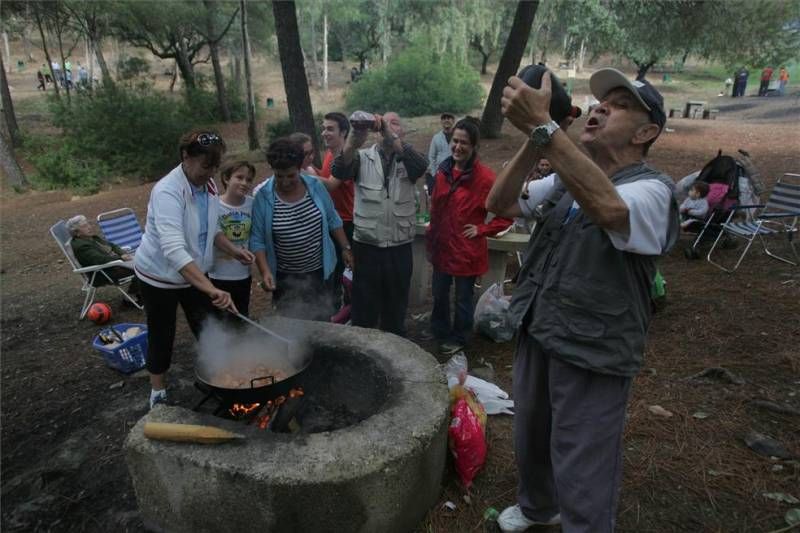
(582, 299)
(384, 218)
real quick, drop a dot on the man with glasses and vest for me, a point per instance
(384, 220)
(582, 298)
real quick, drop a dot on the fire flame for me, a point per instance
(240, 410)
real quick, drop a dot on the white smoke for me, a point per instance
(230, 356)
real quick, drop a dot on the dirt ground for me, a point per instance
(65, 415)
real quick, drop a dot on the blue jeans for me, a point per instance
(440, 316)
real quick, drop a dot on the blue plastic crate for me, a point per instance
(129, 356)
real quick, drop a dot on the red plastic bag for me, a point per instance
(467, 434)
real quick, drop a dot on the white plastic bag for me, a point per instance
(491, 314)
(454, 368)
(494, 399)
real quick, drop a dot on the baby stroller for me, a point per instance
(729, 184)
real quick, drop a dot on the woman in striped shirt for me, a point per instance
(293, 222)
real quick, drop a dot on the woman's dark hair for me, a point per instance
(341, 120)
(205, 142)
(233, 166)
(283, 154)
(472, 127)
(300, 138)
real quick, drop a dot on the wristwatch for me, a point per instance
(543, 134)
(348, 248)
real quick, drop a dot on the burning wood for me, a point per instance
(241, 410)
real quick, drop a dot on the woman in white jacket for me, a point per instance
(177, 250)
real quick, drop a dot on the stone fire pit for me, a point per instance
(381, 474)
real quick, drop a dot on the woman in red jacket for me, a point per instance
(456, 237)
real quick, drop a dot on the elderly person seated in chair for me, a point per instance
(91, 249)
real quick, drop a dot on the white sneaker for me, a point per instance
(512, 519)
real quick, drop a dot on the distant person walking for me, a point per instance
(740, 82)
(83, 76)
(783, 80)
(57, 73)
(766, 76)
(40, 77)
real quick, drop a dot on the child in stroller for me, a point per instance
(695, 208)
(730, 182)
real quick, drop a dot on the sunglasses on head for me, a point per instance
(207, 139)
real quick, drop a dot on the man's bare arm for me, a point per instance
(527, 108)
(503, 198)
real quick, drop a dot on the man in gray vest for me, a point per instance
(582, 299)
(384, 217)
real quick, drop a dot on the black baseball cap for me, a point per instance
(606, 79)
(560, 101)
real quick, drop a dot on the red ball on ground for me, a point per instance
(99, 313)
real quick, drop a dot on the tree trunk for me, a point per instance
(684, 57)
(581, 55)
(46, 51)
(294, 74)
(26, 34)
(386, 46)
(8, 162)
(87, 56)
(101, 62)
(8, 108)
(237, 71)
(63, 61)
(252, 132)
(185, 67)
(492, 118)
(116, 51)
(219, 77)
(314, 58)
(7, 49)
(545, 42)
(325, 52)
(642, 69)
(174, 77)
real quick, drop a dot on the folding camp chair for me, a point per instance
(92, 274)
(121, 227)
(779, 216)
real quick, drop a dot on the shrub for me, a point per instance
(131, 68)
(417, 83)
(132, 132)
(61, 164)
(283, 127)
(203, 106)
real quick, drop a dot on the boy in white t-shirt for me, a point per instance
(235, 221)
